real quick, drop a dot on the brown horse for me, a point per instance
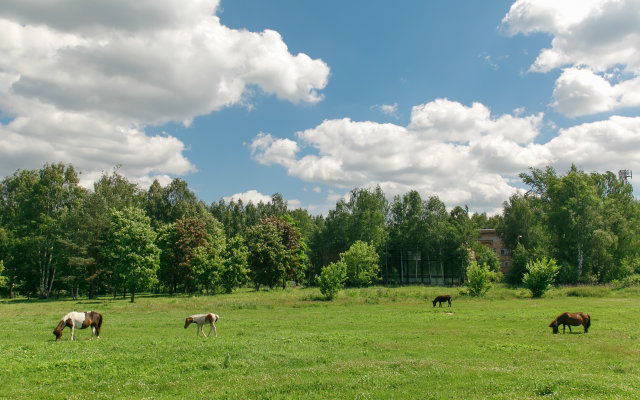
(568, 319)
(442, 299)
(80, 320)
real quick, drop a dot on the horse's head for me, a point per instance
(188, 322)
(554, 326)
(216, 317)
(434, 302)
(58, 330)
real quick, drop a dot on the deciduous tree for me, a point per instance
(130, 248)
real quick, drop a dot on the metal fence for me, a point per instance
(418, 267)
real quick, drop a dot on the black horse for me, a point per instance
(442, 299)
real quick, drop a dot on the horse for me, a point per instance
(568, 319)
(200, 320)
(442, 299)
(82, 320)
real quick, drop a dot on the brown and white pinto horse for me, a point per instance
(200, 320)
(568, 319)
(81, 320)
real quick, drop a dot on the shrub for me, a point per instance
(331, 279)
(629, 281)
(484, 255)
(540, 275)
(479, 279)
(361, 261)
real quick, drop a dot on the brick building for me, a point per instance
(490, 239)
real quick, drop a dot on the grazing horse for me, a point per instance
(81, 320)
(442, 299)
(568, 319)
(200, 320)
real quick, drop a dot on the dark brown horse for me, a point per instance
(80, 320)
(568, 319)
(442, 299)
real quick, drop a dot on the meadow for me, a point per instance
(373, 343)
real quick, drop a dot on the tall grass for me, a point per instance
(374, 343)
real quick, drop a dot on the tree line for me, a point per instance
(58, 238)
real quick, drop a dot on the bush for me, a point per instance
(540, 275)
(479, 279)
(484, 255)
(331, 279)
(361, 261)
(629, 281)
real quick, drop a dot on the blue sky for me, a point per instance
(311, 99)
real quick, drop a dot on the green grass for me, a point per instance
(375, 343)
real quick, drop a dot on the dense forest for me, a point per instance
(58, 238)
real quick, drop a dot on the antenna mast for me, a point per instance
(624, 175)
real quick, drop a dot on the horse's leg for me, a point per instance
(213, 328)
(569, 328)
(72, 330)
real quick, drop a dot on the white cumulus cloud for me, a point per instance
(596, 42)
(80, 81)
(250, 196)
(463, 154)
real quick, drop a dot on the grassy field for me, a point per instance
(375, 343)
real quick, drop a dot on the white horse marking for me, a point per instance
(200, 320)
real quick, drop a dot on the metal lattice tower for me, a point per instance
(624, 175)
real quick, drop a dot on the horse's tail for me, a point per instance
(99, 321)
(586, 327)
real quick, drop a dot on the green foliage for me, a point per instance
(520, 258)
(362, 263)
(3, 279)
(206, 264)
(130, 248)
(362, 216)
(592, 222)
(276, 252)
(234, 271)
(478, 279)
(425, 226)
(34, 206)
(267, 254)
(332, 279)
(628, 281)
(53, 233)
(626, 268)
(540, 275)
(485, 256)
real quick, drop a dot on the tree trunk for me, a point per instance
(580, 257)
(133, 293)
